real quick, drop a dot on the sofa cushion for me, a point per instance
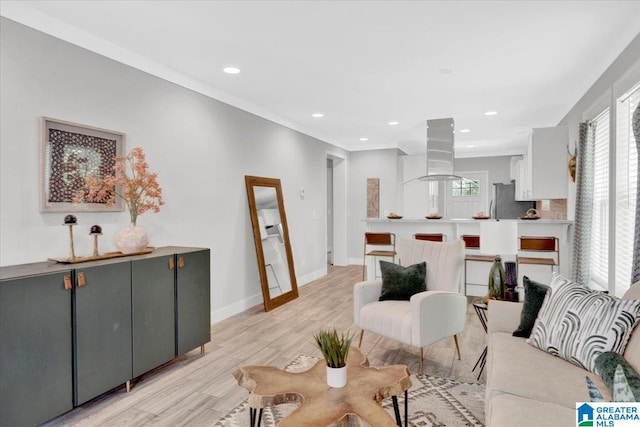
(578, 324)
(534, 294)
(509, 410)
(388, 318)
(515, 367)
(606, 365)
(400, 283)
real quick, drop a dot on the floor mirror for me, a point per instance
(271, 236)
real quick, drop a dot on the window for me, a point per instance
(465, 188)
(626, 189)
(614, 240)
(599, 265)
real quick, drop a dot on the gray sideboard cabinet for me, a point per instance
(153, 299)
(35, 348)
(102, 329)
(193, 298)
(69, 333)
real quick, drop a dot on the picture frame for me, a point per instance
(69, 152)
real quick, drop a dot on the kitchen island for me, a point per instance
(478, 272)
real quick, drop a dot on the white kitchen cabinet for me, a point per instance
(523, 183)
(542, 174)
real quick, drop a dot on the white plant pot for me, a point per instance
(132, 239)
(336, 377)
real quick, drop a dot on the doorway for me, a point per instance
(468, 197)
(336, 210)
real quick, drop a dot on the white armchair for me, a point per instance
(429, 316)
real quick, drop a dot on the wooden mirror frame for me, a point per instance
(255, 181)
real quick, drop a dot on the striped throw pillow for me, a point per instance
(578, 324)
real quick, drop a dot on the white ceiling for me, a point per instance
(364, 63)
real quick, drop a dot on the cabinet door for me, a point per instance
(549, 176)
(35, 349)
(193, 300)
(102, 329)
(153, 301)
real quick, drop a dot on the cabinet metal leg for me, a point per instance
(202, 349)
(128, 385)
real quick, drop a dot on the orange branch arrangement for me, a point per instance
(132, 182)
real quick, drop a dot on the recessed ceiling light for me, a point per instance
(470, 146)
(393, 123)
(490, 113)
(317, 115)
(364, 139)
(465, 130)
(445, 70)
(231, 70)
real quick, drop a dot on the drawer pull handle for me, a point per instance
(81, 280)
(181, 262)
(171, 264)
(67, 283)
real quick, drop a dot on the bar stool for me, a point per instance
(385, 240)
(472, 241)
(433, 237)
(539, 244)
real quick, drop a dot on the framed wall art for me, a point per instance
(69, 153)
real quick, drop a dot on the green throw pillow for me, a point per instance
(399, 283)
(534, 294)
(606, 365)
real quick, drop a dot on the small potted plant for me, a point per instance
(335, 349)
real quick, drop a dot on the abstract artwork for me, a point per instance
(70, 153)
(373, 197)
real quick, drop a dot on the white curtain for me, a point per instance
(584, 204)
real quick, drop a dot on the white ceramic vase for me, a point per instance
(132, 239)
(336, 377)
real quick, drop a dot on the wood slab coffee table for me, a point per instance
(322, 405)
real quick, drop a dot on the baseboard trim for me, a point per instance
(245, 304)
(310, 277)
(235, 308)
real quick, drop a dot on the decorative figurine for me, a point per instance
(496, 279)
(71, 220)
(96, 231)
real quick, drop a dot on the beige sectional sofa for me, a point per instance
(529, 387)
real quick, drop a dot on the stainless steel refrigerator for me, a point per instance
(504, 203)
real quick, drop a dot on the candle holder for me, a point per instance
(96, 231)
(71, 221)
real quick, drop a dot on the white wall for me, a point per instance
(381, 164)
(498, 167)
(200, 147)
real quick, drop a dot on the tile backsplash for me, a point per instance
(552, 209)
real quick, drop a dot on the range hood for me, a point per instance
(439, 151)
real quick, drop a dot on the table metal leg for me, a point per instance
(396, 410)
(255, 422)
(406, 408)
(482, 360)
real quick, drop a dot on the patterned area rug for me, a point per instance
(433, 402)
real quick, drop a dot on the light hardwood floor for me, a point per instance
(196, 390)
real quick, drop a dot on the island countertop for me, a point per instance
(466, 220)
